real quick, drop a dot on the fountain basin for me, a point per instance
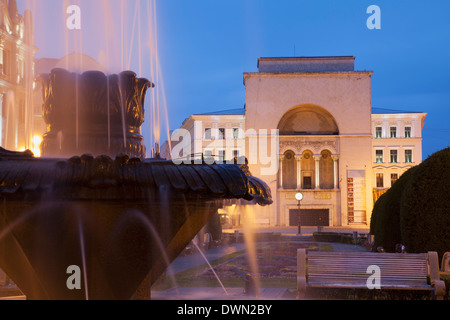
(122, 220)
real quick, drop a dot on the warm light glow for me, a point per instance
(36, 149)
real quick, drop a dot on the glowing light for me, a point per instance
(36, 149)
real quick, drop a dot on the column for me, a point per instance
(317, 170)
(299, 171)
(281, 172)
(336, 176)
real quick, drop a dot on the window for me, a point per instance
(235, 154)
(379, 156)
(393, 132)
(380, 180)
(408, 156)
(379, 132)
(307, 181)
(235, 133)
(1, 60)
(4, 64)
(221, 133)
(208, 157)
(394, 156)
(289, 170)
(407, 132)
(208, 134)
(221, 155)
(394, 178)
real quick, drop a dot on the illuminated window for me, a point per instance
(380, 180)
(394, 178)
(4, 64)
(393, 132)
(408, 156)
(407, 132)
(394, 156)
(379, 156)
(379, 132)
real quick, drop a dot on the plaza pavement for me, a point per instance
(183, 263)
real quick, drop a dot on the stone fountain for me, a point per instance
(95, 202)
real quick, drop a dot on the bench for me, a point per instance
(445, 268)
(368, 270)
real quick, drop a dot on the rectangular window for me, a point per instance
(236, 133)
(379, 132)
(379, 156)
(221, 155)
(1, 61)
(222, 134)
(5, 62)
(394, 156)
(407, 132)
(394, 178)
(208, 134)
(408, 156)
(235, 154)
(393, 132)
(208, 155)
(380, 180)
(307, 182)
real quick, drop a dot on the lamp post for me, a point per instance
(299, 198)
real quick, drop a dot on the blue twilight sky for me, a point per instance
(206, 45)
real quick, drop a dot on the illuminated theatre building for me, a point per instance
(20, 118)
(336, 149)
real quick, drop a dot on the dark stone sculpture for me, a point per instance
(92, 113)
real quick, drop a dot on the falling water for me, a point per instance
(83, 256)
(249, 236)
(210, 266)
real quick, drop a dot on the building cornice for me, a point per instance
(307, 74)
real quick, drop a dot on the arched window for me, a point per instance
(308, 170)
(326, 166)
(308, 120)
(289, 170)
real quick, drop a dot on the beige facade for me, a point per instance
(397, 145)
(18, 115)
(328, 140)
(218, 137)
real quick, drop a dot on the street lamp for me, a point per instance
(299, 198)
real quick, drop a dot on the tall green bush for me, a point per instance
(425, 208)
(385, 224)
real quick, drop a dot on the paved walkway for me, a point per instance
(183, 263)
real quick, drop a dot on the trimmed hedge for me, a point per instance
(425, 210)
(333, 237)
(416, 210)
(385, 223)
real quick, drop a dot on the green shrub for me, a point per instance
(425, 207)
(385, 223)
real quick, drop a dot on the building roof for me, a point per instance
(237, 112)
(241, 112)
(391, 111)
